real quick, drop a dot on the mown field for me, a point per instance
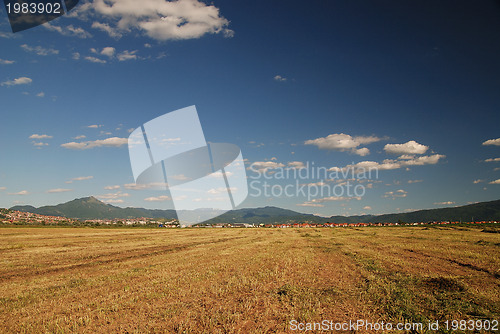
(92, 280)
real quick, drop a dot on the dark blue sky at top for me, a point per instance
(426, 71)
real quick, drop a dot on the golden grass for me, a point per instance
(66, 280)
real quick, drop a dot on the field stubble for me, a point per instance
(65, 280)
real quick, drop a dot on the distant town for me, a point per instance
(14, 217)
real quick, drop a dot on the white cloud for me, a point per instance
(492, 160)
(415, 181)
(112, 187)
(37, 136)
(112, 32)
(495, 142)
(395, 194)
(158, 199)
(39, 144)
(82, 178)
(127, 55)
(95, 60)
(39, 50)
(76, 55)
(364, 151)
(477, 181)
(3, 188)
(18, 81)
(94, 126)
(58, 190)
(316, 205)
(113, 201)
(21, 193)
(41, 94)
(317, 201)
(279, 78)
(495, 182)
(158, 19)
(135, 186)
(389, 164)
(262, 166)
(80, 137)
(108, 51)
(423, 160)
(411, 147)
(6, 62)
(108, 142)
(444, 203)
(343, 142)
(68, 31)
(367, 208)
(116, 195)
(8, 35)
(296, 164)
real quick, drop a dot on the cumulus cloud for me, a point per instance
(94, 126)
(343, 142)
(159, 19)
(477, 181)
(415, 181)
(158, 198)
(108, 51)
(108, 142)
(367, 208)
(410, 147)
(17, 81)
(58, 190)
(112, 187)
(39, 50)
(495, 182)
(80, 137)
(495, 142)
(279, 78)
(37, 136)
(492, 160)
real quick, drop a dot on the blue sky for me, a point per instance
(409, 88)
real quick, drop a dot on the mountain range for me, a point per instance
(92, 208)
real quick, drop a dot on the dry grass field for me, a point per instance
(96, 280)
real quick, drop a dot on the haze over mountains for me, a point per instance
(92, 208)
